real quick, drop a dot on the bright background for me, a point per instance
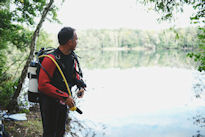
(112, 14)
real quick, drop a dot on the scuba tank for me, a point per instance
(33, 94)
(33, 72)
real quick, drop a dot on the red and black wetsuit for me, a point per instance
(53, 89)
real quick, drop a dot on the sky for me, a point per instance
(111, 14)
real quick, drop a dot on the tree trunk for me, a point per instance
(13, 103)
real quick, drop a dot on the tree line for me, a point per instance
(178, 38)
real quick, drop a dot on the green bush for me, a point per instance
(7, 89)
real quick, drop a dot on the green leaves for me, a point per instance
(17, 18)
(15, 15)
(22, 39)
(167, 8)
(199, 55)
(7, 89)
(200, 58)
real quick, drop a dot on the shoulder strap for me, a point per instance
(45, 71)
(59, 69)
(76, 58)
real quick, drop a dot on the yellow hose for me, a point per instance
(61, 72)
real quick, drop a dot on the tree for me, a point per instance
(17, 22)
(13, 102)
(168, 8)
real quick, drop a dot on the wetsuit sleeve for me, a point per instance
(44, 82)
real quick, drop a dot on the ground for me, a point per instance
(30, 128)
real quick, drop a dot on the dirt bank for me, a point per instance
(30, 128)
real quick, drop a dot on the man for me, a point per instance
(54, 97)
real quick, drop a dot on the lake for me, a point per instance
(141, 94)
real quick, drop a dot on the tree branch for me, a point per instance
(13, 102)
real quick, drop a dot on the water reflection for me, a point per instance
(138, 93)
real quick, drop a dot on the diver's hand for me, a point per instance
(70, 102)
(80, 93)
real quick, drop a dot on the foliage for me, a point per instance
(6, 92)
(45, 40)
(13, 14)
(128, 38)
(199, 55)
(168, 8)
(15, 62)
(17, 20)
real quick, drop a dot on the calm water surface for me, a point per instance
(142, 94)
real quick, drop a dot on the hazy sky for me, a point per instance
(111, 14)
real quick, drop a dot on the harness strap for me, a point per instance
(80, 71)
(59, 69)
(66, 83)
(30, 76)
(45, 70)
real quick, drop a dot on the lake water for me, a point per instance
(141, 94)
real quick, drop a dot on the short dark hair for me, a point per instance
(65, 34)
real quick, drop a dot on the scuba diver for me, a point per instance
(54, 97)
